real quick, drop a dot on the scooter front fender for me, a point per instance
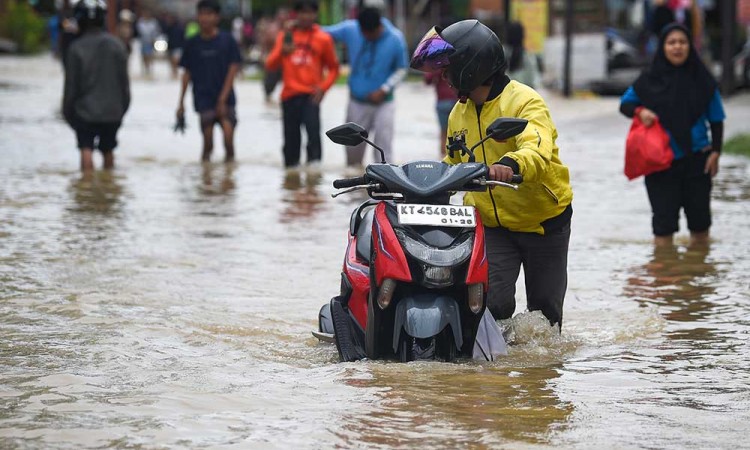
(426, 315)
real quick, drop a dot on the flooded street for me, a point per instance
(169, 304)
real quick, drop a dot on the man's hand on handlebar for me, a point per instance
(500, 172)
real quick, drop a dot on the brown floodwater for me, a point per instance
(169, 304)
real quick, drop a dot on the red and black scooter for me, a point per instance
(414, 279)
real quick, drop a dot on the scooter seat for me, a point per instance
(364, 235)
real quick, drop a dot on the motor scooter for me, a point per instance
(415, 273)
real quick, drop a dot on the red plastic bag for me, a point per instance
(647, 149)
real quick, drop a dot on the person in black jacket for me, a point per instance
(97, 88)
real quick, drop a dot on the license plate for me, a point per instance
(436, 215)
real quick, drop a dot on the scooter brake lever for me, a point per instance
(500, 183)
(355, 188)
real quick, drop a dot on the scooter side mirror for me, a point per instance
(349, 134)
(506, 127)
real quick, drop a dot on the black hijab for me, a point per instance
(679, 95)
(514, 39)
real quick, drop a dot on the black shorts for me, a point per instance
(208, 118)
(97, 135)
(682, 186)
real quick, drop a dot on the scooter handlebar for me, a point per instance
(349, 182)
(516, 179)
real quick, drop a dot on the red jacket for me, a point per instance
(302, 69)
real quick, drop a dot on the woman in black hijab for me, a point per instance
(522, 66)
(679, 91)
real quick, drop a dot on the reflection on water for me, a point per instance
(97, 192)
(209, 192)
(682, 283)
(680, 279)
(430, 405)
(93, 219)
(303, 200)
(217, 179)
(469, 403)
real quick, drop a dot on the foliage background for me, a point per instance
(23, 26)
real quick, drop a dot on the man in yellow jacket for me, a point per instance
(531, 226)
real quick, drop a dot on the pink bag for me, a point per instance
(647, 149)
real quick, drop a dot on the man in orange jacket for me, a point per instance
(309, 66)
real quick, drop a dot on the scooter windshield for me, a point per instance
(432, 52)
(425, 178)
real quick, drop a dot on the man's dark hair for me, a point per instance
(213, 5)
(300, 5)
(90, 14)
(369, 19)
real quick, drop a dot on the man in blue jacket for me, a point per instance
(377, 57)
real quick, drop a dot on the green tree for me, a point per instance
(23, 26)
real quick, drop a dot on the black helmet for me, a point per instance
(90, 13)
(473, 54)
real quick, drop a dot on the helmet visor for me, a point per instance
(432, 52)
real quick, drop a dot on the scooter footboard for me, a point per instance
(325, 319)
(423, 316)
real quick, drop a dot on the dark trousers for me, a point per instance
(96, 135)
(545, 266)
(299, 110)
(682, 186)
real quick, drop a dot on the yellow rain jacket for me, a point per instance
(545, 192)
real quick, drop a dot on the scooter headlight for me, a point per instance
(433, 256)
(438, 277)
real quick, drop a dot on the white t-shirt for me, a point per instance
(148, 29)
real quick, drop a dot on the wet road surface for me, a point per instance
(170, 304)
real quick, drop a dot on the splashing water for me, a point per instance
(532, 340)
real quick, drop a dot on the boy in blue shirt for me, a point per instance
(378, 61)
(211, 61)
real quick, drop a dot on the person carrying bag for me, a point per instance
(647, 149)
(678, 92)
